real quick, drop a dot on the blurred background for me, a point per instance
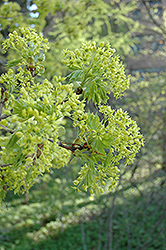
(55, 217)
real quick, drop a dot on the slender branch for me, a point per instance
(73, 147)
(2, 102)
(4, 116)
(7, 129)
(4, 165)
(152, 18)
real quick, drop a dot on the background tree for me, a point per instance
(68, 24)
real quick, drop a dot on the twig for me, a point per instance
(1, 102)
(4, 116)
(4, 165)
(152, 18)
(73, 147)
(7, 129)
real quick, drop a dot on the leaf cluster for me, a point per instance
(97, 71)
(34, 110)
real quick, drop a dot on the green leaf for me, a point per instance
(107, 140)
(108, 159)
(76, 74)
(97, 98)
(74, 160)
(93, 121)
(98, 146)
(61, 131)
(74, 67)
(12, 142)
(87, 91)
(19, 158)
(103, 94)
(14, 62)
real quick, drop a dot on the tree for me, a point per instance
(67, 24)
(32, 112)
(146, 98)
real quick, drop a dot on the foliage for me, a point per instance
(58, 218)
(34, 110)
(97, 70)
(68, 24)
(145, 101)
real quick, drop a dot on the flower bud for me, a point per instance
(36, 113)
(19, 134)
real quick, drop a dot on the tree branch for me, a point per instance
(152, 18)
(7, 129)
(4, 116)
(2, 102)
(73, 146)
(4, 165)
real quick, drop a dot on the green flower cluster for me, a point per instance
(96, 71)
(31, 48)
(33, 148)
(109, 141)
(32, 113)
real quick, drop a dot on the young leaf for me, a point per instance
(14, 138)
(75, 74)
(14, 62)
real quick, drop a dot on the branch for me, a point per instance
(73, 147)
(4, 116)
(4, 165)
(152, 18)
(7, 129)
(2, 102)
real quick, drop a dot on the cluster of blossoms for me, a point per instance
(98, 71)
(30, 47)
(115, 138)
(33, 146)
(34, 113)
